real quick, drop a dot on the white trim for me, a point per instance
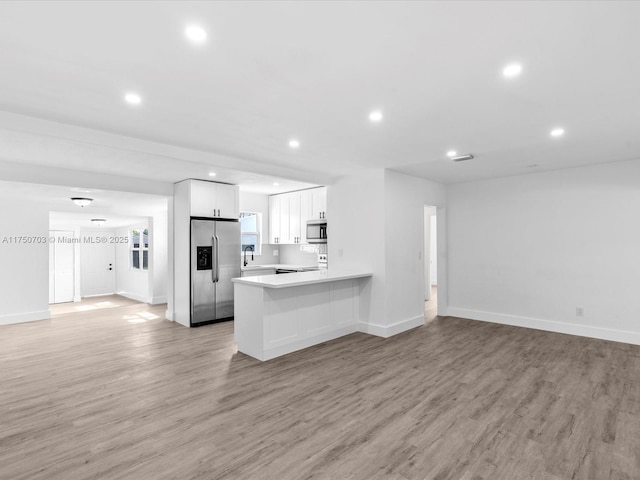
(387, 331)
(135, 296)
(158, 300)
(622, 336)
(25, 317)
(77, 298)
(168, 314)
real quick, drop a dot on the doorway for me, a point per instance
(430, 248)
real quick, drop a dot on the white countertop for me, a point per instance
(284, 266)
(300, 278)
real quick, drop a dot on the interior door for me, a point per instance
(228, 259)
(62, 262)
(97, 264)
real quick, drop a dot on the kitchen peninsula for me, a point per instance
(279, 314)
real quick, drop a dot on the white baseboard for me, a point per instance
(135, 296)
(158, 300)
(77, 298)
(622, 336)
(168, 314)
(25, 317)
(387, 331)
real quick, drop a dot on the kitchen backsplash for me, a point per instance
(305, 255)
(267, 257)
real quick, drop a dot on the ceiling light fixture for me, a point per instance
(196, 34)
(293, 143)
(276, 184)
(212, 174)
(462, 158)
(376, 116)
(512, 70)
(99, 221)
(81, 201)
(133, 98)
(451, 153)
(557, 132)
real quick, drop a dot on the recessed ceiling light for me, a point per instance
(293, 143)
(557, 132)
(276, 184)
(451, 153)
(376, 116)
(196, 34)
(212, 174)
(512, 70)
(133, 98)
(98, 221)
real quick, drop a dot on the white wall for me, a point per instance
(433, 246)
(259, 203)
(405, 198)
(159, 258)
(24, 282)
(528, 250)
(149, 286)
(376, 224)
(132, 282)
(356, 237)
(429, 249)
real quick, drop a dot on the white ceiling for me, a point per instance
(271, 71)
(106, 204)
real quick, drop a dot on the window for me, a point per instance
(140, 248)
(250, 231)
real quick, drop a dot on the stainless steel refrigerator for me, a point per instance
(215, 260)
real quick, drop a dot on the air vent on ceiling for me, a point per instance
(462, 158)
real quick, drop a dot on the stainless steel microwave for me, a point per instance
(317, 231)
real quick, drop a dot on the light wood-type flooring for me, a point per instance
(121, 393)
(431, 306)
(87, 304)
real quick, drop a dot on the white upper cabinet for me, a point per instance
(214, 200)
(319, 203)
(285, 221)
(289, 213)
(306, 213)
(274, 218)
(295, 224)
(228, 201)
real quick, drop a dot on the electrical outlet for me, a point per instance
(419, 255)
(275, 253)
(579, 312)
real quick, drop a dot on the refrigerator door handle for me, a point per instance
(217, 258)
(214, 269)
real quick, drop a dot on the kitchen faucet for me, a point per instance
(245, 253)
